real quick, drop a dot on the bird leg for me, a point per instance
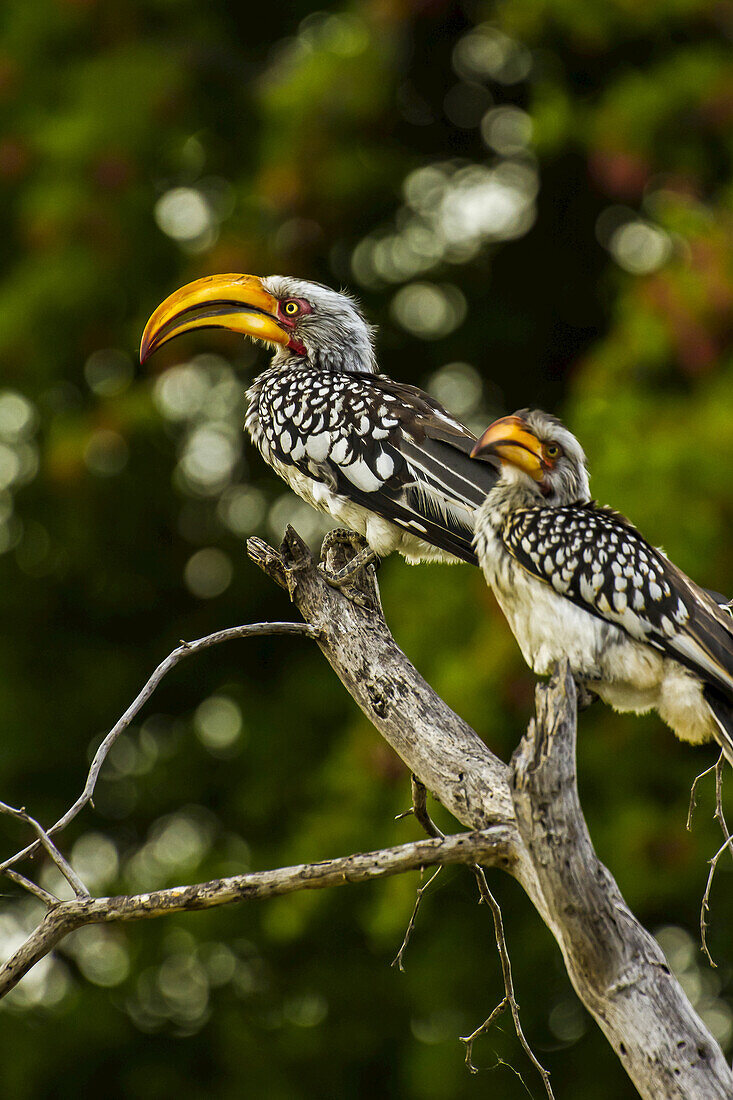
(586, 696)
(364, 556)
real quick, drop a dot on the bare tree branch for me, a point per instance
(727, 844)
(32, 888)
(509, 998)
(528, 814)
(693, 790)
(419, 809)
(482, 1029)
(421, 890)
(616, 967)
(185, 649)
(453, 762)
(61, 862)
(66, 916)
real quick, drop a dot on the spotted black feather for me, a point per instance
(597, 559)
(386, 446)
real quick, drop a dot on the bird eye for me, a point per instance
(553, 450)
(291, 308)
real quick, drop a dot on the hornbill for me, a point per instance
(577, 580)
(384, 459)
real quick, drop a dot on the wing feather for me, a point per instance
(389, 447)
(597, 559)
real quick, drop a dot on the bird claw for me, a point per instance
(343, 536)
(586, 697)
(340, 577)
(344, 586)
(345, 577)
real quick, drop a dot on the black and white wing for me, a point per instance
(597, 559)
(388, 447)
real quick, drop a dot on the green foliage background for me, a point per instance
(293, 133)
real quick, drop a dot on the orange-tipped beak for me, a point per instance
(236, 302)
(513, 441)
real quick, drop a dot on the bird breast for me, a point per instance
(547, 626)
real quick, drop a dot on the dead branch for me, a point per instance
(616, 967)
(66, 916)
(60, 860)
(509, 999)
(528, 818)
(419, 809)
(185, 649)
(727, 845)
(419, 893)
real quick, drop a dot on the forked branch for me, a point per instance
(66, 916)
(616, 967)
(525, 818)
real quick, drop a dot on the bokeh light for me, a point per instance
(208, 573)
(218, 724)
(18, 417)
(184, 214)
(448, 164)
(106, 453)
(109, 371)
(488, 53)
(429, 311)
(94, 858)
(639, 247)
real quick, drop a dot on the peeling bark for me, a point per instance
(615, 965)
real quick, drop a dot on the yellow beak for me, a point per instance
(513, 441)
(236, 302)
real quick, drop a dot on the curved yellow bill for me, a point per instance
(236, 302)
(513, 441)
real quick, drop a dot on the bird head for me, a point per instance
(303, 321)
(540, 453)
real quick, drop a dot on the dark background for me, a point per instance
(538, 192)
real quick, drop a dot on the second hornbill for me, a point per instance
(382, 458)
(577, 580)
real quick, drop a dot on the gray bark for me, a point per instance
(64, 917)
(616, 967)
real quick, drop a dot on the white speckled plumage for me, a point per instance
(576, 580)
(382, 458)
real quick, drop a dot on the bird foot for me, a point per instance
(586, 697)
(345, 537)
(345, 576)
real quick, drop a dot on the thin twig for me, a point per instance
(65, 916)
(469, 1040)
(419, 810)
(33, 888)
(506, 969)
(726, 845)
(419, 807)
(705, 906)
(61, 862)
(397, 960)
(719, 814)
(693, 789)
(185, 649)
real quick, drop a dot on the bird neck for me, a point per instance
(326, 359)
(508, 495)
